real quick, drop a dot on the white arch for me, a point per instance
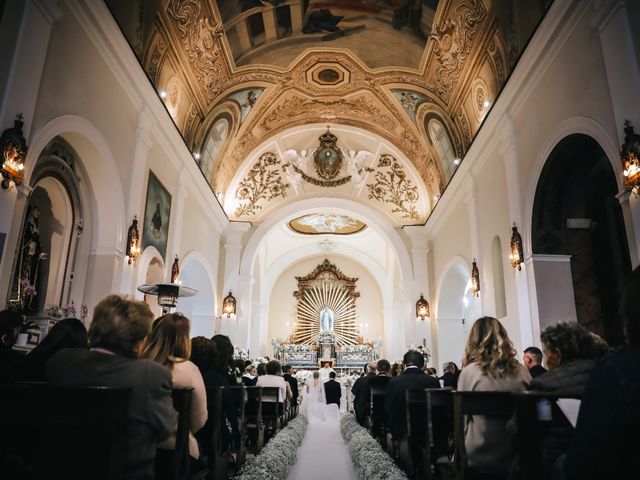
(108, 210)
(277, 268)
(364, 213)
(455, 261)
(198, 257)
(142, 264)
(570, 126)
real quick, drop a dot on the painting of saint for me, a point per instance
(157, 211)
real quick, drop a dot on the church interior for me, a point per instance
(325, 182)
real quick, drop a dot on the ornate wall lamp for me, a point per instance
(422, 308)
(229, 305)
(475, 279)
(630, 157)
(517, 254)
(175, 270)
(133, 239)
(14, 154)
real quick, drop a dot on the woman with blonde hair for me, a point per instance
(490, 364)
(169, 345)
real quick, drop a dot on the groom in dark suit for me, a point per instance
(332, 390)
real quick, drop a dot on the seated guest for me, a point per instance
(413, 377)
(450, 375)
(169, 345)
(490, 365)
(224, 355)
(570, 353)
(261, 369)
(10, 360)
(238, 372)
(332, 390)
(116, 337)
(605, 441)
(356, 389)
(432, 371)
(396, 369)
(249, 378)
(67, 333)
(203, 356)
(273, 378)
(382, 378)
(532, 359)
(293, 383)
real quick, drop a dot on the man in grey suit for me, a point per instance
(116, 336)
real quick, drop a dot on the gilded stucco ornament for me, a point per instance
(262, 183)
(393, 187)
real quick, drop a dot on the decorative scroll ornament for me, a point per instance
(392, 186)
(326, 306)
(263, 182)
(327, 158)
(199, 40)
(452, 43)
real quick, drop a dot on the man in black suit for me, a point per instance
(116, 336)
(332, 390)
(532, 359)
(293, 383)
(370, 369)
(380, 380)
(450, 375)
(413, 378)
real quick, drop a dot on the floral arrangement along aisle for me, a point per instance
(371, 462)
(278, 456)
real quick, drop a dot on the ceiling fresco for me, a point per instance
(326, 223)
(267, 69)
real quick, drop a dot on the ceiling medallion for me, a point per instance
(327, 158)
(328, 162)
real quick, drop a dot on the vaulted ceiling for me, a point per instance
(385, 69)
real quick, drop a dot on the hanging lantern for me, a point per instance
(229, 305)
(175, 270)
(13, 148)
(630, 158)
(422, 308)
(133, 237)
(517, 255)
(475, 279)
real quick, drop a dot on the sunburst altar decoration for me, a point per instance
(326, 306)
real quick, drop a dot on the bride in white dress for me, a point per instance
(314, 403)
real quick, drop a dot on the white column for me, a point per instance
(474, 233)
(623, 75)
(237, 329)
(176, 228)
(514, 206)
(421, 329)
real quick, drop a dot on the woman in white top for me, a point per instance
(490, 364)
(169, 345)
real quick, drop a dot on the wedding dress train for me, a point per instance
(323, 454)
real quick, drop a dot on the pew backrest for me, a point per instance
(68, 433)
(182, 404)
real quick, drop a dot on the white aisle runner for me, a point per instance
(323, 455)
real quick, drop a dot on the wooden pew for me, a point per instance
(413, 447)
(217, 461)
(179, 461)
(492, 404)
(377, 416)
(439, 426)
(272, 411)
(538, 416)
(238, 398)
(253, 418)
(71, 433)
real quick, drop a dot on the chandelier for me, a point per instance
(517, 254)
(422, 308)
(133, 238)
(475, 279)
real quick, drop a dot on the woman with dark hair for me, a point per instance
(490, 365)
(397, 368)
(169, 345)
(66, 333)
(223, 360)
(261, 369)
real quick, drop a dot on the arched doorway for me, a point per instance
(576, 214)
(457, 309)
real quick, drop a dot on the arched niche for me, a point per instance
(150, 270)
(578, 238)
(456, 310)
(200, 308)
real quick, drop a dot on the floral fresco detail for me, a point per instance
(393, 186)
(263, 182)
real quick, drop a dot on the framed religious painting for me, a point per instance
(157, 212)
